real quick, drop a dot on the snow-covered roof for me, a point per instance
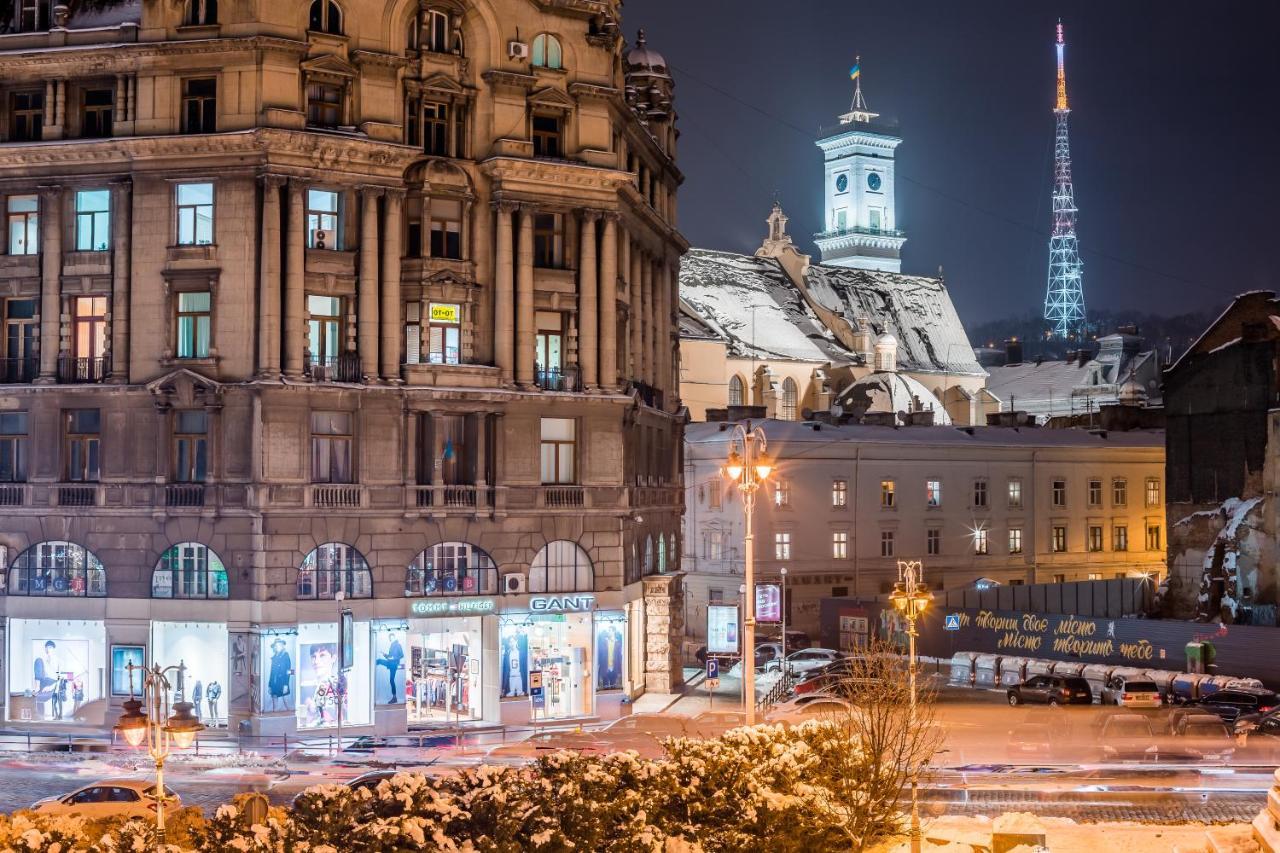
(916, 310)
(893, 392)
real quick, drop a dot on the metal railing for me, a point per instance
(73, 370)
(555, 379)
(776, 693)
(184, 495)
(338, 368)
(77, 495)
(12, 494)
(859, 229)
(336, 496)
(563, 497)
(18, 370)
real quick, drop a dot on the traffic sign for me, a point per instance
(539, 701)
(713, 683)
(535, 679)
(952, 622)
(713, 669)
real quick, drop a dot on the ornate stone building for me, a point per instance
(306, 298)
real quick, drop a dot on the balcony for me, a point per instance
(858, 229)
(466, 498)
(556, 379)
(79, 371)
(19, 371)
(328, 496)
(649, 395)
(563, 497)
(78, 495)
(184, 495)
(12, 494)
(340, 368)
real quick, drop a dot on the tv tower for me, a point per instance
(1064, 300)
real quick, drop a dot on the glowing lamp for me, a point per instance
(132, 725)
(183, 725)
(733, 468)
(764, 466)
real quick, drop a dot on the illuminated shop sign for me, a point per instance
(451, 606)
(562, 603)
(444, 313)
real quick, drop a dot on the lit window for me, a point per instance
(89, 322)
(1015, 493)
(323, 208)
(888, 494)
(93, 220)
(195, 214)
(980, 541)
(546, 52)
(782, 493)
(24, 224)
(559, 444)
(782, 546)
(194, 324)
(189, 570)
(933, 493)
(1153, 492)
(324, 329)
(444, 324)
(1015, 540)
(1095, 493)
(840, 545)
(839, 493)
(1059, 539)
(886, 543)
(1095, 576)
(1120, 538)
(1059, 493)
(933, 541)
(1119, 492)
(1153, 537)
(980, 493)
(1095, 538)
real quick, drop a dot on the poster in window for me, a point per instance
(348, 641)
(768, 603)
(610, 652)
(320, 686)
(515, 662)
(121, 658)
(278, 671)
(389, 673)
(444, 313)
(722, 629)
(59, 674)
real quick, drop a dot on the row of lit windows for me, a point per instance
(978, 541)
(980, 494)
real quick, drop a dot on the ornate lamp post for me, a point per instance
(748, 467)
(911, 596)
(179, 729)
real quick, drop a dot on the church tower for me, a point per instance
(861, 222)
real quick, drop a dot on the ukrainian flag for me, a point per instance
(855, 72)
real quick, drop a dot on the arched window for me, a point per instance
(648, 555)
(788, 399)
(413, 33)
(673, 564)
(201, 13)
(452, 568)
(546, 52)
(662, 554)
(326, 17)
(561, 566)
(189, 570)
(736, 391)
(57, 568)
(332, 567)
(437, 32)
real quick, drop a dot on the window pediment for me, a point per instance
(184, 388)
(330, 66)
(551, 98)
(442, 84)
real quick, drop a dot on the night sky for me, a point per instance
(1174, 135)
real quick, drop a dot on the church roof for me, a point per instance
(892, 392)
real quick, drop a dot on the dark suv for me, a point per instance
(1052, 690)
(1237, 702)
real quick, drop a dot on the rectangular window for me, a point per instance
(1059, 578)
(443, 333)
(446, 228)
(1119, 492)
(324, 329)
(840, 545)
(980, 546)
(1095, 576)
(1015, 493)
(548, 240)
(93, 220)
(1120, 538)
(33, 15)
(839, 493)
(1095, 538)
(413, 239)
(933, 541)
(559, 446)
(435, 126)
(548, 349)
(190, 446)
(26, 117)
(324, 104)
(95, 117)
(1095, 493)
(1059, 493)
(20, 336)
(323, 216)
(200, 105)
(89, 321)
(331, 445)
(1015, 540)
(874, 218)
(1153, 537)
(1059, 539)
(413, 333)
(195, 214)
(24, 224)
(888, 494)
(782, 493)
(1153, 492)
(886, 543)
(13, 447)
(194, 324)
(933, 493)
(548, 136)
(714, 487)
(81, 428)
(782, 546)
(980, 493)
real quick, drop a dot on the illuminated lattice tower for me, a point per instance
(1064, 299)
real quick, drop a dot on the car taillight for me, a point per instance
(1266, 709)
(1125, 697)
(1066, 691)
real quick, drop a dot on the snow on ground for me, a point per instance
(1063, 835)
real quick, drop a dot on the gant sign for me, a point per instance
(562, 603)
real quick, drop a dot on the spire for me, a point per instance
(858, 108)
(1062, 70)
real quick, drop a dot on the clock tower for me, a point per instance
(860, 222)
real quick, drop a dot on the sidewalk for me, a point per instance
(695, 699)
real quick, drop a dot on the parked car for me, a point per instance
(1198, 737)
(130, 798)
(1051, 690)
(811, 707)
(1236, 702)
(805, 660)
(716, 723)
(1128, 737)
(1262, 737)
(1030, 740)
(1131, 693)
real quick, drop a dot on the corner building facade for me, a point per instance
(306, 298)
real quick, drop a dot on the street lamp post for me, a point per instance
(748, 467)
(784, 615)
(179, 729)
(911, 596)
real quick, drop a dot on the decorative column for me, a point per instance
(503, 299)
(663, 330)
(391, 325)
(121, 217)
(50, 281)
(295, 300)
(609, 303)
(525, 332)
(269, 286)
(588, 308)
(647, 328)
(635, 290)
(367, 295)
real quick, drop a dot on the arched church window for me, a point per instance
(547, 52)
(736, 391)
(326, 17)
(789, 394)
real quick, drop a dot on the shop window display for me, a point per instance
(189, 570)
(558, 646)
(202, 648)
(611, 651)
(57, 670)
(57, 569)
(278, 677)
(451, 568)
(389, 664)
(320, 684)
(445, 667)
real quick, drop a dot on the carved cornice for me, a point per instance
(592, 91)
(496, 78)
(554, 173)
(123, 58)
(374, 59)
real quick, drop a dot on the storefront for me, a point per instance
(200, 647)
(446, 662)
(299, 673)
(57, 671)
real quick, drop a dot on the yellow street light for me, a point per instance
(911, 597)
(748, 466)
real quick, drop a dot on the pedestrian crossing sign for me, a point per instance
(952, 622)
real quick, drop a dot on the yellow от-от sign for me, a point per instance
(444, 313)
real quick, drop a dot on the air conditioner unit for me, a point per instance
(324, 238)
(517, 50)
(513, 584)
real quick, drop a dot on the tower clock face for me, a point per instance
(873, 181)
(842, 183)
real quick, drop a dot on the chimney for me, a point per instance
(1013, 351)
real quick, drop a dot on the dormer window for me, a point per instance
(33, 15)
(547, 52)
(201, 13)
(326, 17)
